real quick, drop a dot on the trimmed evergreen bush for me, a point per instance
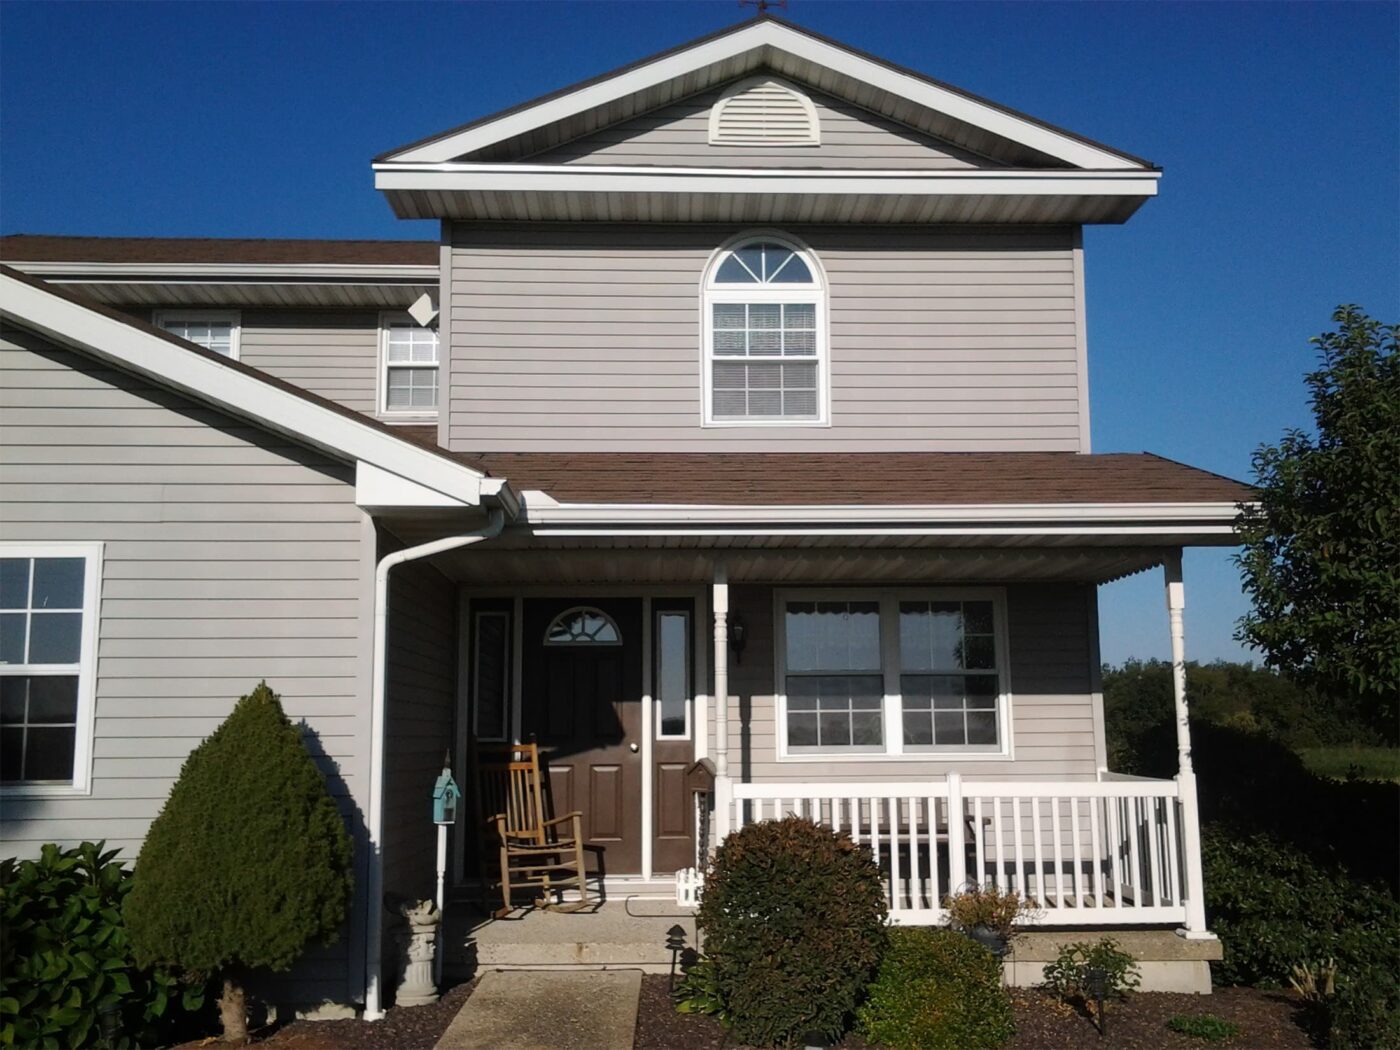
(936, 990)
(67, 976)
(248, 862)
(793, 921)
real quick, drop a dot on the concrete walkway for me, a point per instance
(548, 1010)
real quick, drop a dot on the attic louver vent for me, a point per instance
(764, 112)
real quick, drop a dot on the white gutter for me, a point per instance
(374, 1008)
(224, 273)
(540, 510)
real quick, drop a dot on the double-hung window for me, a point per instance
(892, 672)
(765, 337)
(216, 330)
(48, 630)
(409, 367)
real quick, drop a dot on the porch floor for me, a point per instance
(624, 932)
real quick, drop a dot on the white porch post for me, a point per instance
(723, 789)
(1186, 774)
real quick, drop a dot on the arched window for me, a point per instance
(582, 626)
(765, 335)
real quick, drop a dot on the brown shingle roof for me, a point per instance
(859, 478)
(27, 247)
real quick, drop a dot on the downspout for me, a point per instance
(374, 1009)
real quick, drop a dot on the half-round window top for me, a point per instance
(763, 262)
(583, 626)
(762, 111)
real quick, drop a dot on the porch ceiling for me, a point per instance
(561, 563)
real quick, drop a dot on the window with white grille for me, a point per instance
(764, 336)
(216, 330)
(409, 375)
(764, 112)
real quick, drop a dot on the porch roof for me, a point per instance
(868, 479)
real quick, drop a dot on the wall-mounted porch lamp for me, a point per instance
(738, 636)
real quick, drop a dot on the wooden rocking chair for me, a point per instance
(535, 851)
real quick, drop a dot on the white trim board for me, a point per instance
(214, 380)
(756, 41)
(526, 178)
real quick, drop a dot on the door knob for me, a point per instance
(632, 748)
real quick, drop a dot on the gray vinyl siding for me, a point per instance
(230, 556)
(421, 691)
(333, 354)
(587, 338)
(1052, 701)
(679, 135)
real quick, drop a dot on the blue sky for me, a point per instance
(1278, 126)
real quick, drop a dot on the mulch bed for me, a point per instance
(403, 1028)
(1267, 1020)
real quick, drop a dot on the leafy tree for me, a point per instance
(1322, 548)
(248, 862)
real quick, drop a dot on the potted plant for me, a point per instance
(987, 915)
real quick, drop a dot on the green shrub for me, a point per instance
(1205, 1026)
(248, 862)
(936, 990)
(793, 921)
(1275, 909)
(1068, 975)
(67, 976)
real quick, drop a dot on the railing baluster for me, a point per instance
(1019, 876)
(931, 813)
(893, 804)
(916, 877)
(1154, 850)
(875, 829)
(1001, 849)
(1056, 831)
(979, 856)
(1038, 857)
(1078, 876)
(1097, 853)
(1116, 841)
(1134, 850)
(1174, 879)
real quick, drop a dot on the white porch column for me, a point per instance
(1186, 774)
(723, 793)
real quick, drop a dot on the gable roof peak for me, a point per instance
(770, 44)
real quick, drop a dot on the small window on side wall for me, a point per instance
(409, 367)
(491, 682)
(48, 631)
(216, 330)
(765, 336)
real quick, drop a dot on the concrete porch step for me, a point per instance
(618, 934)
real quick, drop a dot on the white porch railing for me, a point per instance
(1101, 853)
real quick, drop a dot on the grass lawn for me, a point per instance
(1371, 763)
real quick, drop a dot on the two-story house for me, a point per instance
(735, 432)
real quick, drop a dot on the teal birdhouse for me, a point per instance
(446, 795)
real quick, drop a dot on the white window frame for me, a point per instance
(87, 666)
(387, 319)
(657, 614)
(816, 294)
(232, 317)
(507, 700)
(889, 599)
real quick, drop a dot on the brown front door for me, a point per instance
(582, 703)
